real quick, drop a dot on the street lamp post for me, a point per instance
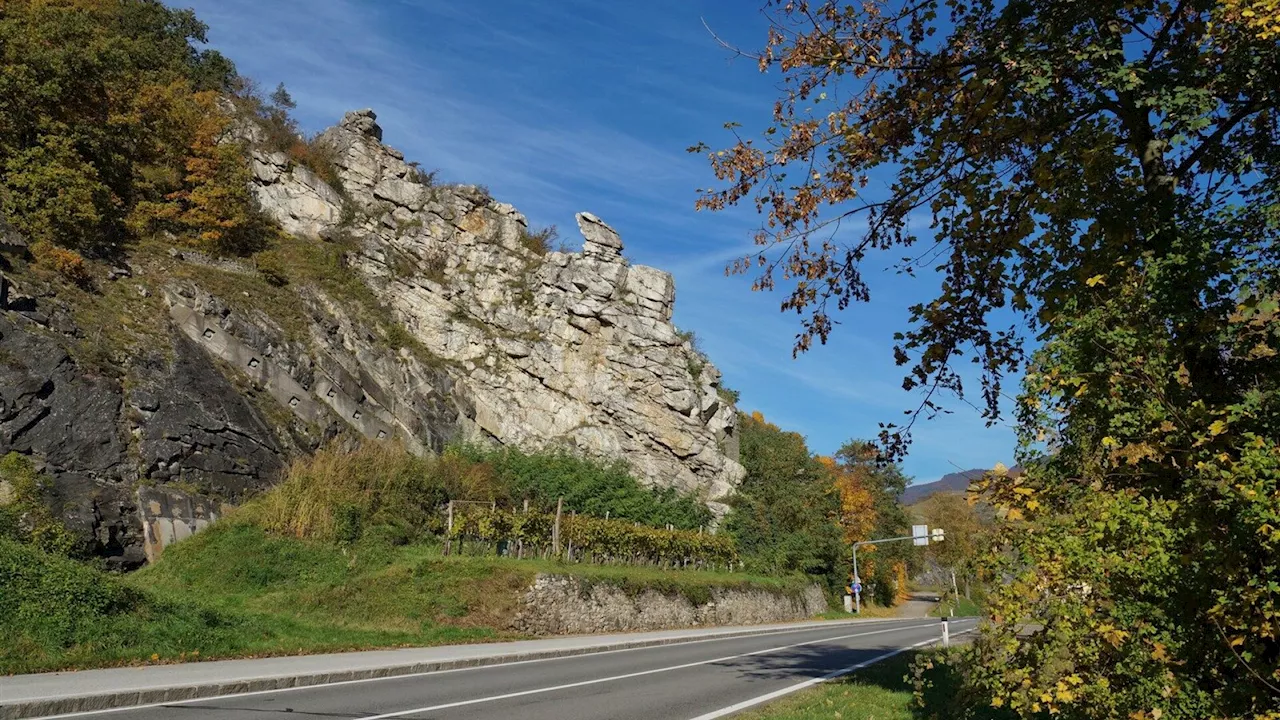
(919, 535)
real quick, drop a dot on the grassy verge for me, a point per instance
(883, 691)
(868, 611)
(236, 591)
(964, 607)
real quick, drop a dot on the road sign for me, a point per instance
(857, 587)
(938, 535)
(920, 534)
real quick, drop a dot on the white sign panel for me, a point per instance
(920, 534)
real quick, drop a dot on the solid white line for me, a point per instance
(612, 678)
(810, 683)
(317, 686)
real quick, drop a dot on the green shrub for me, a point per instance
(25, 517)
(588, 486)
(272, 268)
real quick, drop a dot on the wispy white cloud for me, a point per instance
(582, 105)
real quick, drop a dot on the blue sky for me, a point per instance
(569, 105)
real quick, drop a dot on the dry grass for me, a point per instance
(338, 493)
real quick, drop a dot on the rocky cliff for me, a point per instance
(454, 321)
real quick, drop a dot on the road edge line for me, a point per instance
(49, 708)
(760, 700)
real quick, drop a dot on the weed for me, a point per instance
(539, 242)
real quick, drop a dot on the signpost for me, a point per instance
(919, 536)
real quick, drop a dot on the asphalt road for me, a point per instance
(694, 680)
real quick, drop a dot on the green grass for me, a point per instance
(883, 691)
(236, 591)
(868, 611)
(964, 607)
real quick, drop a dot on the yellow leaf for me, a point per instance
(1156, 713)
(1014, 514)
(1110, 442)
(1096, 280)
(1183, 375)
(155, 657)
(1024, 491)
(1217, 427)
(1237, 642)
(997, 702)
(1033, 505)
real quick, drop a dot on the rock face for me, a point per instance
(562, 605)
(178, 420)
(507, 340)
(550, 348)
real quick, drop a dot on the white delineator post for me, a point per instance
(946, 633)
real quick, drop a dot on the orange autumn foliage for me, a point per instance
(857, 506)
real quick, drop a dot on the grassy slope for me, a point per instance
(234, 591)
(964, 608)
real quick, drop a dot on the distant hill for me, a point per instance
(955, 483)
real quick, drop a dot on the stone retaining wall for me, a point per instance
(564, 605)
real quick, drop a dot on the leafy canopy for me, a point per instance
(1104, 173)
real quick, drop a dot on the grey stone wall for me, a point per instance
(563, 605)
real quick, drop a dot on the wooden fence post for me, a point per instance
(555, 529)
(448, 537)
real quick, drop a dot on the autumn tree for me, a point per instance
(1098, 176)
(857, 516)
(77, 146)
(967, 536)
(884, 568)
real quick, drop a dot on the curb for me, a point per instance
(46, 707)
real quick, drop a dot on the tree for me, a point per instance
(884, 567)
(784, 514)
(76, 146)
(1098, 176)
(966, 534)
(857, 506)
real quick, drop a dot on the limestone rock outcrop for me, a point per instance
(463, 324)
(549, 347)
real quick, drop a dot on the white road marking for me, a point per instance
(627, 676)
(317, 686)
(810, 683)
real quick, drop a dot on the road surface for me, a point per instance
(918, 605)
(695, 680)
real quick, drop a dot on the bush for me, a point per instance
(595, 539)
(25, 517)
(589, 486)
(539, 241)
(332, 494)
(67, 263)
(272, 268)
